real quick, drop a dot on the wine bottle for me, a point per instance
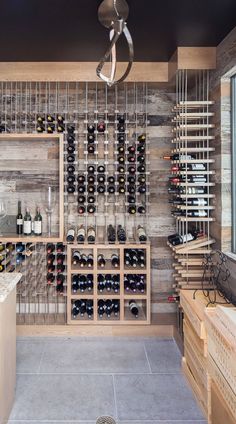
(50, 118)
(70, 139)
(101, 283)
(50, 128)
(81, 188)
(131, 199)
(91, 169)
(133, 307)
(101, 178)
(131, 158)
(60, 258)
(81, 234)
(131, 149)
(19, 220)
(142, 138)
(89, 261)
(70, 169)
(111, 234)
(91, 209)
(91, 188)
(101, 127)
(111, 179)
(121, 128)
(141, 149)
(189, 167)
(131, 189)
(91, 179)
(142, 179)
(50, 277)
(20, 257)
(50, 258)
(132, 209)
(121, 179)
(121, 234)
(101, 169)
(40, 119)
(81, 209)
(60, 247)
(101, 261)
(101, 188)
(121, 138)
(70, 179)
(116, 283)
(82, 283)
(70, 237)
(60, 119)
(121, 119)
(81, 198)
(121, 149)
(89, 308)
(40, 128)
(91, 235)
(141, 234)
(141, 209)
(20, 247)
(38, 223)
(121, 169)
(179, 157)
(91, 199)
(75, 283)
(121, 159)
(76, 257)
(70, 129)
(91, 149)
(142, 189)
(27, 223)
(60, 280)
(115, 260)
(70, 158)
(91, 128)
(90, 282)
(70, 189)
(116, 307)
(131, 169)
(91, 138)
(111, 189)
(176, 239)
(108, 283)
(108, 307)
(121, 189)
(70, 148)
(141, 168)
(101, 308)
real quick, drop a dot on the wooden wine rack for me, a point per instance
(193, 135)
(125, 317)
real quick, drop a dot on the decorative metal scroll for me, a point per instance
(112, 14)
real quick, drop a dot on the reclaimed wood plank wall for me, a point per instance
(161, 98)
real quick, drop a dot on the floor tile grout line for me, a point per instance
(150, 369)
(114, 391)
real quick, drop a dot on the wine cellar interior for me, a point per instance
(118, 212)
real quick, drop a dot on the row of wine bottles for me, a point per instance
(135, 283)
(57, 280)
(105, 308)
(192, 234)
(13, 255)
(26, 225)
(133, 258)
(113, 234)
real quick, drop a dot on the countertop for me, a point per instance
(8, 282)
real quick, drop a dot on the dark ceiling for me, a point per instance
(68, 30)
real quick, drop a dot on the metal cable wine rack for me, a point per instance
(79, 104)
(193, 141)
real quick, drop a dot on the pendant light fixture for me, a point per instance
(113, 14)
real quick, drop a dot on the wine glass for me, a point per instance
(49, 203)
(3, 211)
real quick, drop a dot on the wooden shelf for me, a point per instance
(193, 161)
(193, 184)
(122, 296)
(194, 138)
(185, 208)
(193, 150)
(30, 239)
(193, 127)
(199, 196)
(195, 219)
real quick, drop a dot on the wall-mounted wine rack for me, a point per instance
(192, 177)
(49, 109)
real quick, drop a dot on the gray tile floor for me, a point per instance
(75, 380)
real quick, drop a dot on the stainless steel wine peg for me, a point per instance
(113, 14)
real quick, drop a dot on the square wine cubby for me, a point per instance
(108, 309)
(135, 259)
(82, 309)
(135, 310)
(82, 260)
(108, 259)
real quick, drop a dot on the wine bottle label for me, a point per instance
(38, 227)
(27, 227)
(199, 202)
(81, 232)
(198, 166)
(201, 213)
(187, 237)
(19, 221)
(71, 233)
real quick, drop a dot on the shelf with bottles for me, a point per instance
(134, 259)
(108, 285)
(108, 259)
(81, 310)
(135, 285)
(108, 310)
(81, 284)
(82, 259)
(33, 173)
(135, 310)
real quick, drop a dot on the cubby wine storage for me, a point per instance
(46, 140)
(120, 296)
